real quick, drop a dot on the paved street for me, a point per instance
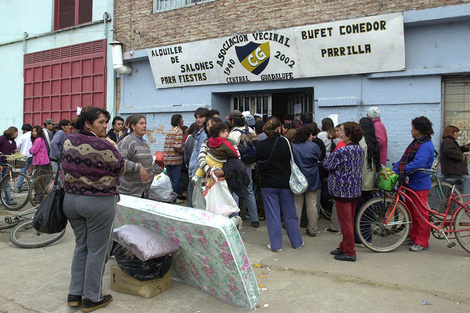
(307, 280)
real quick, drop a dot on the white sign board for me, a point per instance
(366, 45)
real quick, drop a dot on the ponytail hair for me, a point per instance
(271, 125)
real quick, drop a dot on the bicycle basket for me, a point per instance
(387, 179)
(16, 161)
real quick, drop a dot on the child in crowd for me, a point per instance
(219, 148)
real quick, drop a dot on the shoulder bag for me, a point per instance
(50, 217)
(297, 182)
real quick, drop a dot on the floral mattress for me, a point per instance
(212, 255)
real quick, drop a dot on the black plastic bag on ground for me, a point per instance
(50, 217)
(141, 270)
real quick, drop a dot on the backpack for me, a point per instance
(247, 146)
(333, 146)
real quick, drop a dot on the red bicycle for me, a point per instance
(383, 223)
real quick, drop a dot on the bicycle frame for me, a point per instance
(402, 192)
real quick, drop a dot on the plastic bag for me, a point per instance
(161, 189)
(143, 242)
(219, 200)
(387, 179)
(141, 270)
(197, 199)
(50, 217)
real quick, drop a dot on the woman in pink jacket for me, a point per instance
(41, 160)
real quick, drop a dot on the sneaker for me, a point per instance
(298, 248)
(331, 230)
(344, 257)
(178, 201)
(89, 306)
(269, 247)
(417, 248)
(73, 300)
(255, 224)
(311, 234)
(337, 251)
(12, 202)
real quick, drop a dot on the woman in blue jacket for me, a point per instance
(419, 154)
(306, 155)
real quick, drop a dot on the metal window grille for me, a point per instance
(166, 5)
(457, 105)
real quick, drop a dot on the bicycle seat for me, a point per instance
(454, 181)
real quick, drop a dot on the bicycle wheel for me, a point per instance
(438, 198)
(462, 226)
(12, 197)
(372, 231)
(25, 236)
(40, 188)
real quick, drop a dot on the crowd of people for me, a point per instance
(339, 162)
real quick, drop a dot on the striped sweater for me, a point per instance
(91, 165)
(174, 147)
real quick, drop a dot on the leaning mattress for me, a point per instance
(212, 255)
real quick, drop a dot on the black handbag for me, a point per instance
(50, 217)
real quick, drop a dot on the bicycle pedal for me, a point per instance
(451, 245)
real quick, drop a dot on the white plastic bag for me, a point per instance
(219, 200)
(161, 189)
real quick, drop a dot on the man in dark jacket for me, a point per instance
(118, 127)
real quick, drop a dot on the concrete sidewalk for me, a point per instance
(303, 280)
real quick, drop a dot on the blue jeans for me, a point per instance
(7, 185)
(277, 201)
(174, 172)
(29, 161)
(250, 200)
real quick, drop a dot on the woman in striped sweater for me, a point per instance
(91, 166)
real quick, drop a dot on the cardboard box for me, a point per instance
(124, 283)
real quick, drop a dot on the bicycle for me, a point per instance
(12, 197)
(384, 223)
(41, 187)
(24, 235)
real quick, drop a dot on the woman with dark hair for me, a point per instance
(419, 154)
(173, 153)
(41, 160)
(135, 150)
(275, 189)
(7, 147)
(345, 186)
(306, 155)
(453, 161)
(328, 135)
(57, 144)
(371, 164)
(91, 182)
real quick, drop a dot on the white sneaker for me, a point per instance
(237, 220)
(269, 247)
(298, 248)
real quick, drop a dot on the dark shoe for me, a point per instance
(73, 300)
(311, 234)
(89, 306)
(12, 202)
(408, 242)
(181, 197)
(331, 230)
(417, 248)
(337, 251)
(255, 224)
(344, 257)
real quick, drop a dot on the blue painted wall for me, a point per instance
(437, 42)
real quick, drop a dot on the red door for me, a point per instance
(58, 81)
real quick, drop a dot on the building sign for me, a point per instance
(366, 45)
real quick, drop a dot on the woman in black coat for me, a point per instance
(453, 161)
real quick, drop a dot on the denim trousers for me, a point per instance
(276, 201)
(29, 161)
(251, 205)
(174, 172)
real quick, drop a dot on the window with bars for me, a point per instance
(255, 104)
(166, 5)
(305, 100)
(70, 13)
(457, 105)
